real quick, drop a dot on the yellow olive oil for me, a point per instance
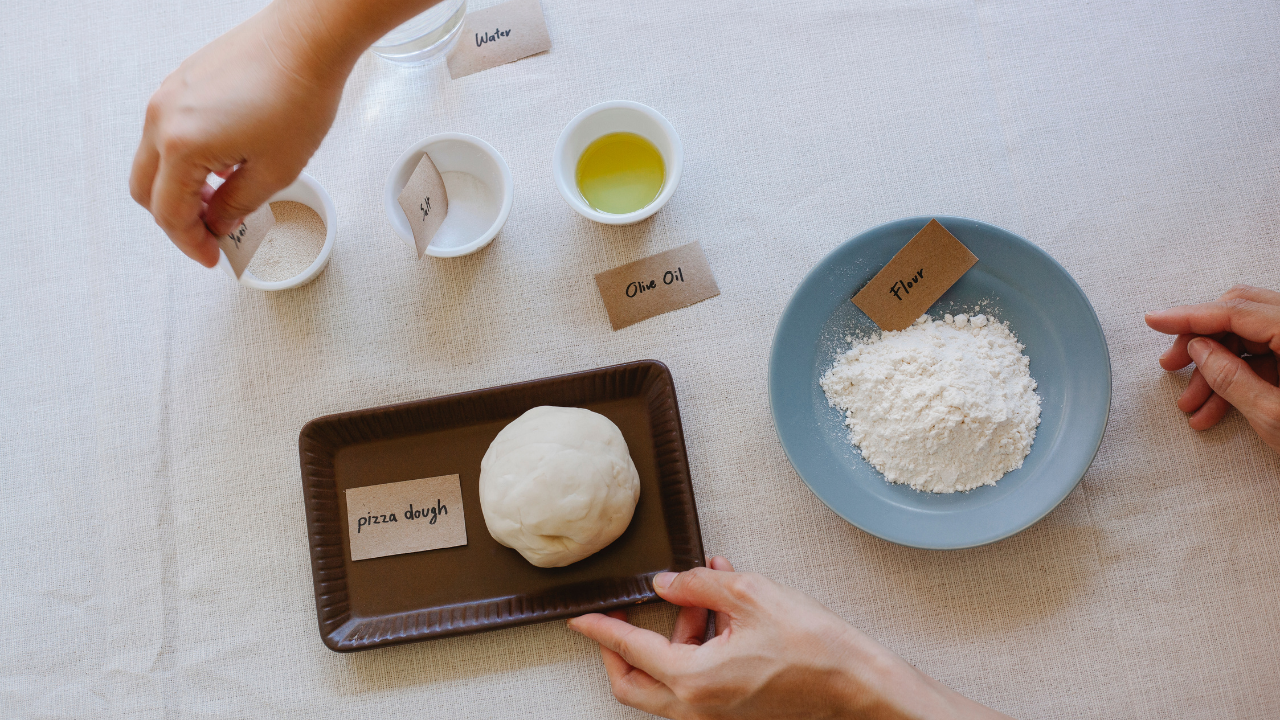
(620, 173)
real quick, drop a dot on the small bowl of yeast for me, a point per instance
(297, 248)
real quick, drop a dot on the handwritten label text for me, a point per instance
(900, 286)
(668, 277)
(482, 38)
(405, 517)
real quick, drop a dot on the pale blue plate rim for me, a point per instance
(917, 535)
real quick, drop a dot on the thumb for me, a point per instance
(702, 587)
(244, 191)
(1232, 378)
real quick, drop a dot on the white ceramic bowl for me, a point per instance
(308, 192)
(477, 181)
(610, 117)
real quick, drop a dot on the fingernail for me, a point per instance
(662, 580)
(571, 625)
(1198, 349)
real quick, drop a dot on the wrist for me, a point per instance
(876, 683)
(321, 40)
(331, 34)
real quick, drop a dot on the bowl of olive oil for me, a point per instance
(617, 162)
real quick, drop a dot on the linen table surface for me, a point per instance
(156, 561)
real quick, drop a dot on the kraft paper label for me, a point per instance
(424, 202)
(915, 278)
(498, 35)
(405, 517)
(240, 244)
(655, 285)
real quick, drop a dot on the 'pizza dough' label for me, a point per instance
(405, 517)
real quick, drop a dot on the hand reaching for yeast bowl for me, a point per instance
(251, 106)
(1234, 342)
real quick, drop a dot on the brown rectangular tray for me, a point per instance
(483, 585)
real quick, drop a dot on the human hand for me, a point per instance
(777, 653)
(1214, 335)
(251, 106)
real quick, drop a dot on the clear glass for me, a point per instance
(425, 36)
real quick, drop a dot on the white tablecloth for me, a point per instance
(155, 561)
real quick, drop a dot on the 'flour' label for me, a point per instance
(915, 278)
(657, 284)
(405, 517)
(240, 244)
(498, 35)
(424, 202)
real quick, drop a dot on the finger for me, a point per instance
(691, 626)
(245, 190)
(1255, 294)
(613, 662)
(176, 206)
(614, 665)
(641, 648)
(721, 563)
(1209, 414)
(1265, 367)
(143, 174)
(631, 685)
(610, 657)
(703, 587)
(1253, 321)
(1196, 394)
(1233, 379)
(635, 687)
(1231, 342)
(1254, 348)
(1176, 357)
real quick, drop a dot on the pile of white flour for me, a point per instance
(941, 406)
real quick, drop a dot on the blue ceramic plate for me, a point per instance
(1019, 283)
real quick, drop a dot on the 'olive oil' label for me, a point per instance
(620, 173)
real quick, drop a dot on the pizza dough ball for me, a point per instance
(558, 484)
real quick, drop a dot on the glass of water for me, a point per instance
(424, 36)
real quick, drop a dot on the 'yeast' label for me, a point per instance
(657, 284)
(424, 202)
(498, 35)
(240, 244)
(915, 278)
(405, 517)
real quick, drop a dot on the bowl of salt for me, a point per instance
(477, 182)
